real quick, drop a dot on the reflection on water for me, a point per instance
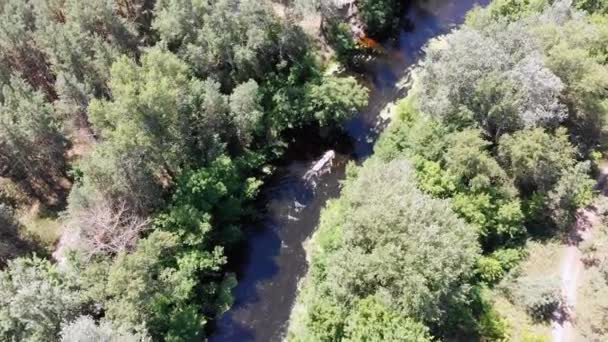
(275, 259)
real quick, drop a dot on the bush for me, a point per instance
(34, 300)
(84, 329)
(492, 327)
(381, 17)
(540, 297)
(489, 270)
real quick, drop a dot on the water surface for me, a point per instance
(274, 259)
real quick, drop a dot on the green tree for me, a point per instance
(119, 173)
(30, 139)
(34, 301)
(144, 293)
(368, 250)
(492, 77)
(536, 158)
(380, 17)
(149, 108)
(229, 40)
(574, 190)
(574, 54)
(592, 6)
(19, 49)
(371, 320)
(84, 329)
(246, 111)
(336, 99)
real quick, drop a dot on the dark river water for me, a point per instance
(274, 259)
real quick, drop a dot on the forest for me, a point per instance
(135, 136)
(489, 156)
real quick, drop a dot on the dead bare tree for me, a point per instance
(104, 229)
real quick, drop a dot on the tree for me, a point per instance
(574, 190)
(149, 108)
(84, 329)
(573, 54)
(536, 158)
(372, 320)
(592, 6)
(105, 228)
(246, 111)
(34, 301)
(229, 40)
(380, 17)
(30, 139)
(18, 48)
(380, 247)
(501, 67)
(336, 99)
(142, 291)
(120, 173)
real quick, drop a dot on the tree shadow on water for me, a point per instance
(259, 268)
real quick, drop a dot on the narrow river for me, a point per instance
(274, 259)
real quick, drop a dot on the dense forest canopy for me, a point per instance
(135, 135)
(143, 128)
(494, 146)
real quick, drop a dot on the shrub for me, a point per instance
(84, 329)
(540, 297)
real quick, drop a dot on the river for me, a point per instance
(274, 259)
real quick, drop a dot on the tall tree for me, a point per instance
(30, 138)
(34, 301)
(19, 49)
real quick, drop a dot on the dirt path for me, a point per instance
(572, 265)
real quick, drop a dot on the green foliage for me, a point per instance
(574, 54)
(536, 158)
(338, 34)
(433, 180)
(156, 286)
(229, 40)
(212, 197)
(246, 111)
(31, 146)
(491, 77)
(371, 320)
(19, 52)
(148, 107)
(380, 17)
(592, 6)
(492, 326)
(573, 190)
(540, 297)
(34, 301)
(364, 249)
(489, 269)
(336, 99)
(118, 172)
(84, 329)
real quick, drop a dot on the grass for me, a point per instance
(41, 226)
